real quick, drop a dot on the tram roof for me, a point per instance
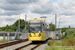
(37, 19)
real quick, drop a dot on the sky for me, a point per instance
(10, 10)
(55, 1)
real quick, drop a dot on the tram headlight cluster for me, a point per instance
(39, 34)
(30, 35)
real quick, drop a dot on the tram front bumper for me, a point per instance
(35, 39)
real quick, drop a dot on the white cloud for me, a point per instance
(2, 11)
(4, 20)
(65, 9)
(45, 6)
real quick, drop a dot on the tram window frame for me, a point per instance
(29, 27)
(43, 27)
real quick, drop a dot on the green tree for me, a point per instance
(52, 27)
(14, 26)
(64, 29)
(22, 24)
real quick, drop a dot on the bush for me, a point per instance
(72, 30)
(68, 42)
(58, 43)
(69, 35)
(50, 42)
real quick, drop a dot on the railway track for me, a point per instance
(12, 43)
(31, 46)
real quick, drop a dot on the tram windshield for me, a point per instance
(34, 27)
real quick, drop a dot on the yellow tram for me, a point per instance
(36, 29)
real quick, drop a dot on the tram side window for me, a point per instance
(43, 27)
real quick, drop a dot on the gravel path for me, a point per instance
(42, 47)
(29, 47)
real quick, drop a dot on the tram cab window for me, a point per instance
(34, 27)
(43, 24)
(43, 27)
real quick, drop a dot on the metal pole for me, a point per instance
(44, 19)
(59, 23)
(59, 27)
(19, 23)
(55, 23)
(25, 22)
(60, 19)
(51, 26)
(19, 20)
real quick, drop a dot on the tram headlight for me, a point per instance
(39, 34)
(30, 35)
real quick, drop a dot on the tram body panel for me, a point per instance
(37, 30)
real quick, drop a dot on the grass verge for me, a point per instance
(5, 41)
(65, 44)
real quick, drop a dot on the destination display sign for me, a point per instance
(35, 21)
(33, 25)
